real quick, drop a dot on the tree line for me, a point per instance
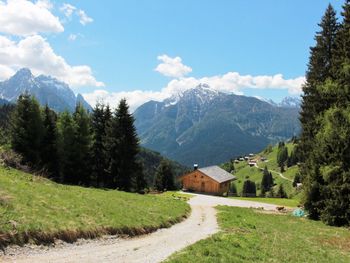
(325, 118)
(98, 149)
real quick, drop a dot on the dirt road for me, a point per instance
(154, 247)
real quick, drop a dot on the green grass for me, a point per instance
(32, 205)
(178, 195)
(273, 201)
(250, 236)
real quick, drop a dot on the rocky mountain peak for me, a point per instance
(46, 89)
(24, 74)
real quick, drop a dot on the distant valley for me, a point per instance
(205, 126)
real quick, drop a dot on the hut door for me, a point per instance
(203, 187)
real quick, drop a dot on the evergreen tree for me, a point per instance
(265, 185)
(249, 189)
(282, 156)
(333, 155)
(100, 120)
(319, 70)
(49, 148)
(67, 130)
(165, 178)
(82, 144)
(326, 131)
(124, 149)
(281, 193)
(27, 129)
(297, 180)
(292, 159)
(233, 189)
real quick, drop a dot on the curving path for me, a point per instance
(154, 247)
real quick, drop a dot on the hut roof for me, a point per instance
(217, 174)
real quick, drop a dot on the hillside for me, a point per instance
(34, 209)
(205, 126)
(151, 160)
(243, 172)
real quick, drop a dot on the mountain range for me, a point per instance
(204, 126)
(47, 90)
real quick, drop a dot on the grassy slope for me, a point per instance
(250, 237)
(33, 204)
(244, 172)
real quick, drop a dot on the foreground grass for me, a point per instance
(273, 201)
(38, 210)
(250, 236)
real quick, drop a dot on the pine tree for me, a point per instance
(233, 189)
(282, 156)
(124, 149)
(265, 181)
(165, 178)
(319, 70)
(27, 129)
(281, 193)
(67, 130)
(326, 126)
(100, 120)
(82, 144)
(249, 189)
(297, 180)
(333, 154)
(49, 147)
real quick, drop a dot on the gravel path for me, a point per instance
(154, 247)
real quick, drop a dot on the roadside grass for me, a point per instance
(177, 195)
(37, 210)
(274, 201)
(251, 236)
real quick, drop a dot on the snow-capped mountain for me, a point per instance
(201, 93)
(46, 89)
(205, 126)
(290, 102)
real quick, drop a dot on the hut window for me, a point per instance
(202, 176)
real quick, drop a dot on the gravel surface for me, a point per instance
(154, 247)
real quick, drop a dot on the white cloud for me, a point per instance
(68, 10)
(134, 98)
(72, 37)
(36, 53)
(84, 18)
(231, 82)
(172, 67)
(24, 18)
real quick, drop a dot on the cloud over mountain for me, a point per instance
(36, 53)
(22, 44)
(231, 82)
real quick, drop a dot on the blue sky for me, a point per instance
(119, 42)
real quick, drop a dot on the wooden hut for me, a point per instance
(212, 180)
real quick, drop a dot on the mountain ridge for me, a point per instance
(47, 90)
(210, 127)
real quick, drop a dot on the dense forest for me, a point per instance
(325, 116)
(98, 149)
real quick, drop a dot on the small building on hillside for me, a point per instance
(211, 180)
